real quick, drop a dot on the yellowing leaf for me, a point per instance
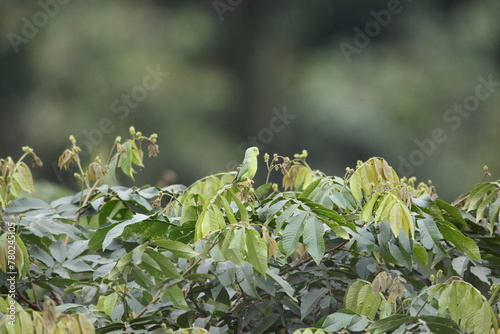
(396, 218)
(22, 175)
(367, 211)
(355, 185)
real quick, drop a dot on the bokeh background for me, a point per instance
(235, 68)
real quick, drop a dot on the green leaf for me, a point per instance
(401, 256)
(142, 278)
(167, 267)
(430, 236)
(272, 208)
(211, 219)
(482, 319)
(238, 240)
(179, 249)
(233, 247)
(264, 323)
(390, 323)
(24, 266)
(482, 273)
(439, 328)
(293, 231)
(108, 303)
(338, 199)
(256, 250)
(176, 296)
(241, 208)
(310, 188)
(58, 251)
(96, 241)
(448, 323)
(313, 238)
(339, 320)
(352, 293)
(76, 266)
(310, 301)
(247, 280)
(136, 154)
(226, 272)
(228, 210)
(420, 253)
(464, 244)
(22, 205)
(452, 211)
(331, 214)
(476, 195)
(368, 302)
(287, 213)
(494, 213)
(126, 158)
(262, 190)
(284, 284)
(120, 266)
(367, 211)
(232, 254)
(149, 265)
(328, 215)
(118, 228)
(484, 204)
(76, 248)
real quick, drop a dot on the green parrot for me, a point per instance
(249, 166)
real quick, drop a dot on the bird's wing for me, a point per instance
(242, 171)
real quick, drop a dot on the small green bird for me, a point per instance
(249, 166)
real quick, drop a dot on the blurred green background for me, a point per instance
(346, 80)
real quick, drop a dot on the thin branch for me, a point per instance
(158, 293)
(200, 311)
(154, 300)
(32, 305)
(82, 206)
(57, 297)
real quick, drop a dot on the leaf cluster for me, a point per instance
(369, 252)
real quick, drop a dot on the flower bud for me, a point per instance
(96, 171)
(66, 158)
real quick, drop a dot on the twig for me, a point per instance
(200, 311)
(32, 305)
(158, 293)
(57, 297)
(82, 210)
(154, 300)
(34, 293)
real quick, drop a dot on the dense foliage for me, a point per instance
(367, 252)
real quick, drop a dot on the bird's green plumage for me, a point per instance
(249, 166)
